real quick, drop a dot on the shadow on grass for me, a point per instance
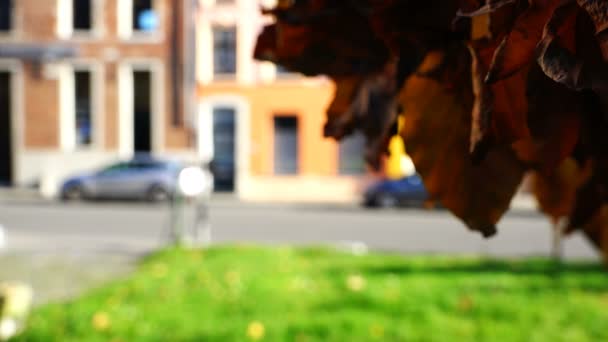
(524, 268)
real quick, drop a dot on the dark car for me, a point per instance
(140, 178)
(408, 191)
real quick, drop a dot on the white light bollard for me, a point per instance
(190, 208)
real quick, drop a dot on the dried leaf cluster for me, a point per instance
(489, 89)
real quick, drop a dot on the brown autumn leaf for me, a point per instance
(569, 55)
(500, 109)
(437, 132)
(598, 11)
(317, 38)
(554, 119)
(596, 231)
(555, 192)
(366, 104)
(517, 49)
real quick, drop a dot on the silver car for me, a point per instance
(140, 178)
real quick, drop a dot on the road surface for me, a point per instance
(128, 228)
(63, 250)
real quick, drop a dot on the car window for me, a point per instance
(115, 167)
(149, 165)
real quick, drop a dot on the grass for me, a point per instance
(244, 293)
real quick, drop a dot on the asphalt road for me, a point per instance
(63, 250)
(133, 229)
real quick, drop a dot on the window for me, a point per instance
(149, 165)
(115, 168)
(351, 152)
(83, 110)
(145, 18)
(142, 110)
(282, 71)
(82, 15)
(6, 15)
(224, 148)
(224, 50)
(285, 145)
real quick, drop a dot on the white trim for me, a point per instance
(125, 110)
(125, 104)
(245, 45)
(65, 20)
(65, 17)
(124, 18)
(204, 41)
(67, 116)
(67, 106)
(15, 32)
(17, 113)
(242, 144)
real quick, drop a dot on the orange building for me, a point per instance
(260, 125)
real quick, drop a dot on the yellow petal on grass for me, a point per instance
(101, 321)
(232, 277)
(466, 303)
(256, 330)
(160, 270)
(376, 331)
(355, 283)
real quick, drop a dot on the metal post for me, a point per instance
(176, 224)
(189, 223)
(557, 246)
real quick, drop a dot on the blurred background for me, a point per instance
(102, 103)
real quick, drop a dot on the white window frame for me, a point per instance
(67, 105)
(125, 22)
(13, 33)
(65, 20)
(17, 113)
(126, 113)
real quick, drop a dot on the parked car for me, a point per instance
(408, 191)
(140, 178)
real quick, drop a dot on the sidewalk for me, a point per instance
(21, 195)
(60, 277)
(524, 202)
(521, 202)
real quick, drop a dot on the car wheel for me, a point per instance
(158, 194)
(386, 201)
(73, 193)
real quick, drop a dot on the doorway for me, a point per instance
(6, 146)
(286, 158)
(224, 154)
(142, 111)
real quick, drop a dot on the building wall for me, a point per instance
(42, 153)
(317, 156)
(257, 90)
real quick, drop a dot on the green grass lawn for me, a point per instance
(243, 293)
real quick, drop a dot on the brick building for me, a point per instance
(84, 82)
